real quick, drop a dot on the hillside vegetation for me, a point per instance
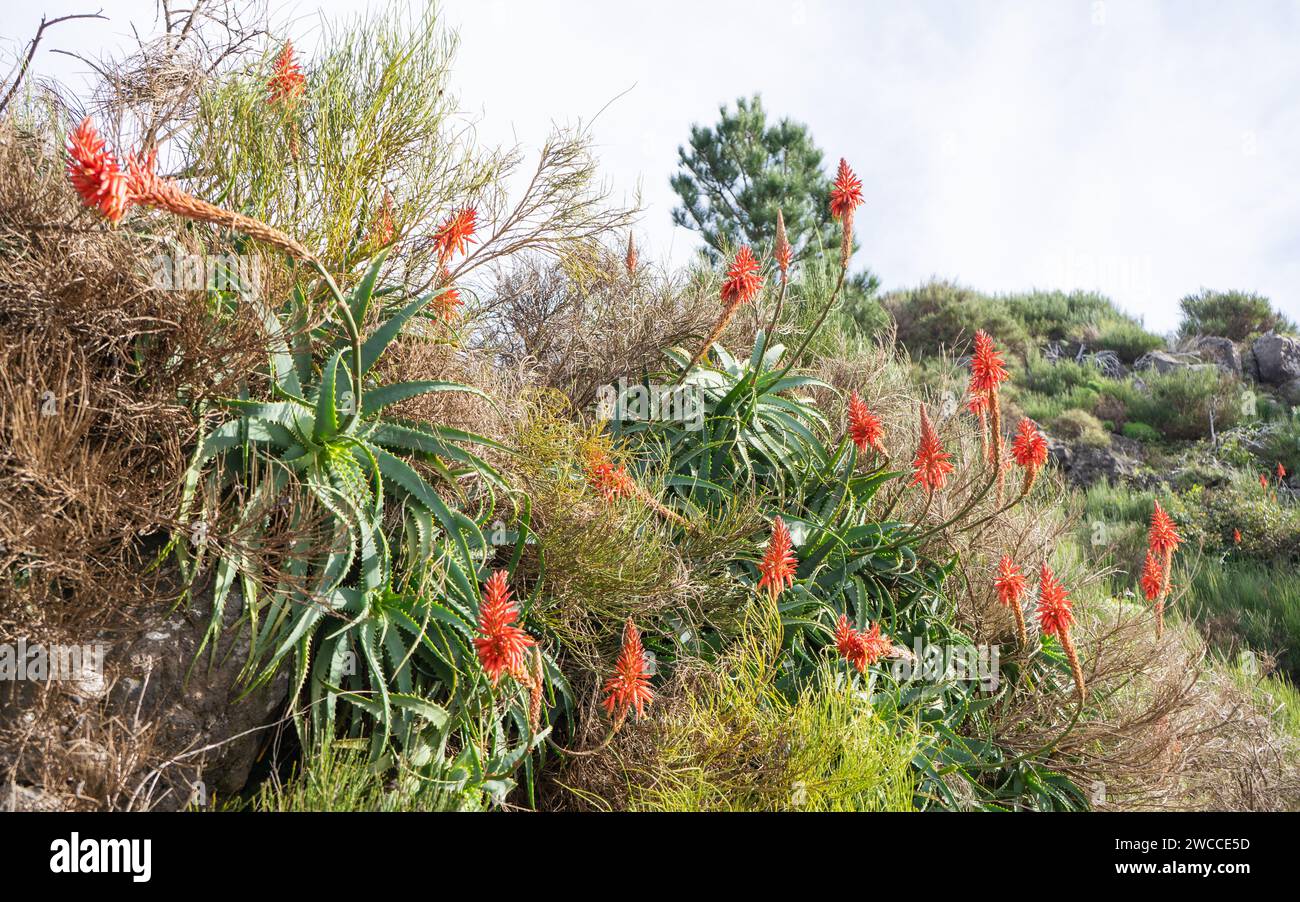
(432, 495)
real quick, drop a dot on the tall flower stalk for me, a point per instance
(1055, 616)
(846, 197)
(1010, 583)
(742, 284)
(100, 181)
(629, 688)
(1162, 541)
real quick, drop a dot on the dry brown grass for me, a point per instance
(580, 325)
(99, 374)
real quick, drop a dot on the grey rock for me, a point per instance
(1084, 465)
(1160, 361)
(1220, 351)
(1277, 358)
(199, 702)
(1290, 391)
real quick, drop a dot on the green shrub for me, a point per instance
(1232, 314)
(1179, 403)
(1128, 339)
(938, 314)
(1082, 427)
(739, 744)
(1141, 432)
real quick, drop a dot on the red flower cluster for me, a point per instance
(743, 281)
(1162, 540)
(287, 81)
(987, 368)
(1053, 604)
(95, 173)
(1029, 450)
(500, 644)
(846, 195)
(1163, 536)
(612, 482)
(448, 298)
(1153, 577)
(779, 562)
(861, 648)
(1010, 582)
(630, 260)
(864, 426)
(931, 465)
(629, 687)
(455, 234)
(382, 228)
(1056, 617)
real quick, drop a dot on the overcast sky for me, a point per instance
(1143, 148)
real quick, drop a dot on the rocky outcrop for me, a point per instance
(1276, 358)
(1160, 361)
(1222, 352)
(203, 732)
(1085, 465)
(198, 702)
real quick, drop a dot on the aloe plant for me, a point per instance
(382, 616)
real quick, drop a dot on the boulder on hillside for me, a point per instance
(1085, 465)
(1277, 358)
(199, 729)
(1219, 351)
(1290, 392)
(1160, 361)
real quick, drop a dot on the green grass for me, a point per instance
(1252, 602)
(341, 780)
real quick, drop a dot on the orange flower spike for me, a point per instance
(1011, 583)
(612, 482)
(382, 228)
(932, 464)
(864, 426)
(849, 643)
(448, 299)
(1153, 578)
(1056, 617)
(500, 644)
(630, 259)
(629, 688)
(1163, 536)
(846, 196)
(287, 82)
(741, 285)
(743, 281)
(1281, 471)
(1236, 537)
(1163, 539)
(96, 175)
(987, 372)
(779, 562)
(876, 645)
(987, 368)
(455, 234)
(1029, 450)
(1263, 480)
(782, 252)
